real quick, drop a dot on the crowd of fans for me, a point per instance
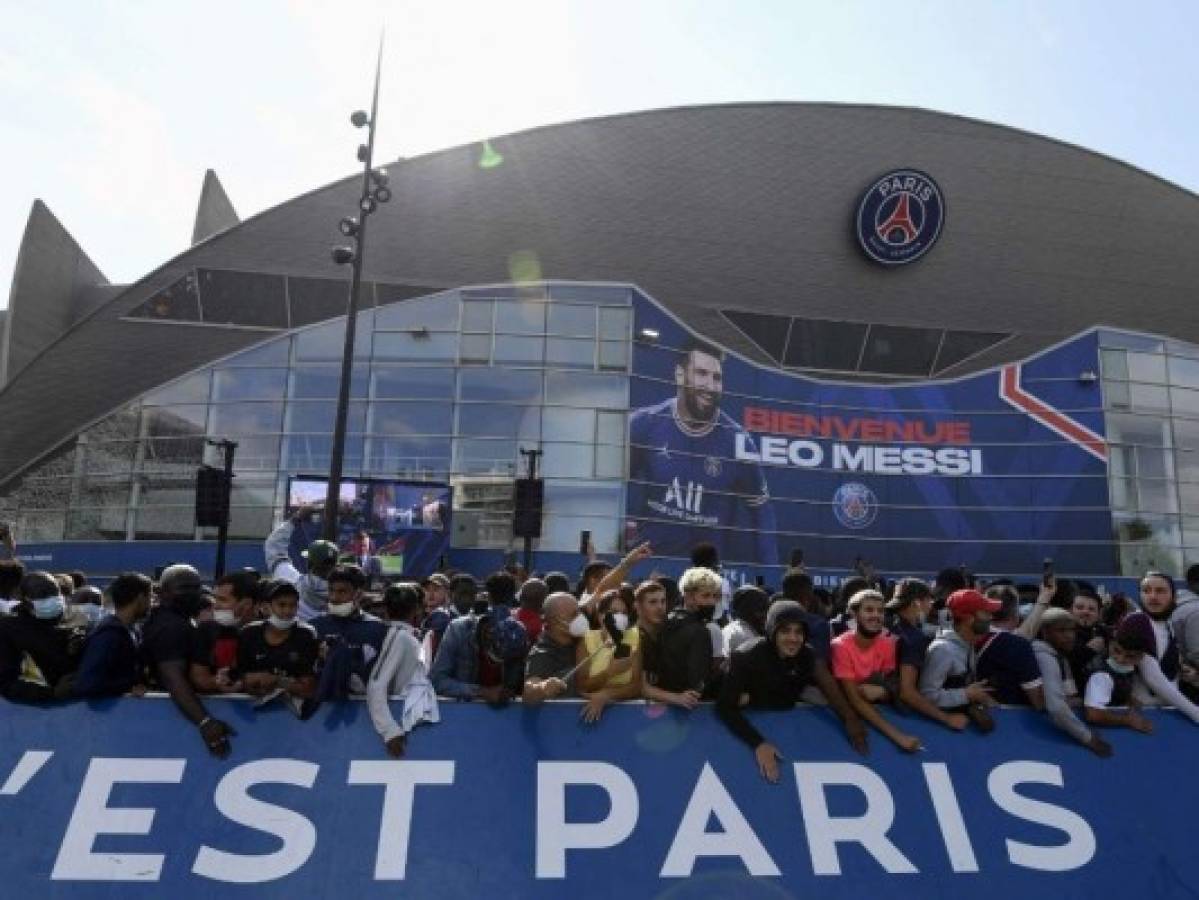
(875, 653)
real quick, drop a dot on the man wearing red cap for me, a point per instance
(949, 676)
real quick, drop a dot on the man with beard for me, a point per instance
(772, 672)
(864, 661)
(949, 678)
(687, 481)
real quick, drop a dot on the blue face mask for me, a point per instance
(48, 607)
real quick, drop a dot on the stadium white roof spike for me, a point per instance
(214, 212)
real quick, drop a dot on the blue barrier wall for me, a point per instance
(119, 799)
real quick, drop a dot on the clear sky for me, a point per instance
(111, 111)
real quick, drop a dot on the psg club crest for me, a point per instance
(855, 505)
(900, 217)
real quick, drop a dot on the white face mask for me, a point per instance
(224, 617)
(281, 623)
(341, 609)
(621, 621)
(1119, 667)
(579, 626)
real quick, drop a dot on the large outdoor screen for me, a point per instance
(387, 527)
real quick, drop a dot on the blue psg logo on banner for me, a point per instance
(855, 505)
(900, 217)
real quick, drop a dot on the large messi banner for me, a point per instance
(120, 800)
(995, 471)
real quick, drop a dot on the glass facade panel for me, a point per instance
(566, 320)
(404, 346)
(500, 385)
(570, 353)
(521, 318)
(248, 384)
(413, 383)
(513, 349)
(1147, 367)
(429, 403)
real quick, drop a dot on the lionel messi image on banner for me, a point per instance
(686, 484)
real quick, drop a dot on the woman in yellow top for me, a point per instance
(612, 671)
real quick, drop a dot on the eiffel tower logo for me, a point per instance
(899, 229)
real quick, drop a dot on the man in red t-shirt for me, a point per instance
(865, 661)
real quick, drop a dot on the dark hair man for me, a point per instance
(463, 591)
(11, 573)
(911, 605)
(481, 657)
(1109, 692)
(551, 663)
(772, 672)
(684, 653)
(501, 589)
(649, 599)
(167, 646)
(213, 668)
(864, 661)
(111, 663)
(531, 597)
(365, 656)
(949, 678)
(32, 634)
(1059, 688)
(278, 655)
(798, 586)
(557, 583)
(599, 577)
(1184, 621)
(692, 466)
(749, 608)
(321, 557)
(403, 603)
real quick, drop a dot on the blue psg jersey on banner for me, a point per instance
(686, 485)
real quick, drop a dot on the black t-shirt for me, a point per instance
(913, 643)
(215, 645)
(167, 636)
(295, 657)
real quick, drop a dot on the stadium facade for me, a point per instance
(864, 332)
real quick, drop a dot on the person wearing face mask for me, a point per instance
(609, 658)
(111, 663)
(167, 641)
(949, 678)
(551, 661)
(279, 654)
(749, 607)
(37, 658)
(684, 658)
(321, 558)
(359, 658)
(481, 658)
(213, 668)
(773, 672)
(1108, 698)
(911, 606)
(1159, 667)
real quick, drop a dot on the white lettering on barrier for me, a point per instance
(949, 818)
(555, 835)
(399, 779)
(693, 840)
(233, 801)
(93, 817)
(869, 829)
(1076, 852)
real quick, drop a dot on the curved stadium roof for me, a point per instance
(712, 210)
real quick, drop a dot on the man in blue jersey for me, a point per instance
(686, 483)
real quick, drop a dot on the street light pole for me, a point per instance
(374, 192)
